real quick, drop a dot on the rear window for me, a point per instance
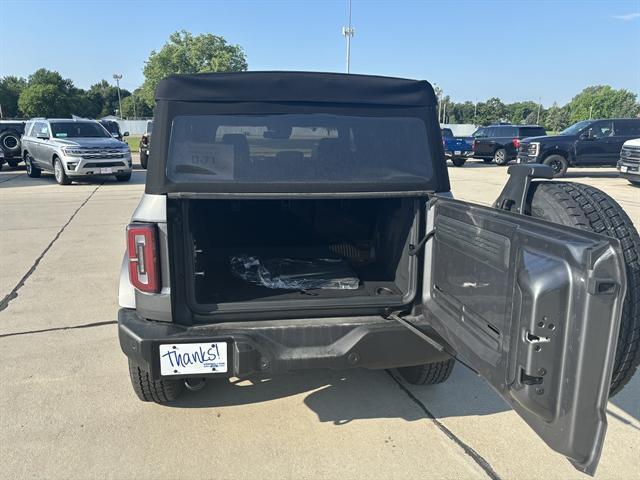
(532, 132)
(627, 127)
(297, 148)
(503, 132)
(447, 132)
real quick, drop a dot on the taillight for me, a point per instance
(473, 147)
(143, 258)
(516, 142)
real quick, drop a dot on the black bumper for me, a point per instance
(282, 346)
(633, 170)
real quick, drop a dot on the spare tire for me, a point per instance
(588, 208)
(10, 143)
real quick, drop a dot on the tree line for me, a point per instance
(46, 93)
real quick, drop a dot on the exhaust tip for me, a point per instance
(194, 384)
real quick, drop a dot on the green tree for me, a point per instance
(603, 101)
(186, 53)
(107, 96)
(44, 100)
(10, 89)
(463, 112)
(491, 111)
(556, 118)
(142, 109)
(518, 112)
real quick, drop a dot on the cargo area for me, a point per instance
(367, 237)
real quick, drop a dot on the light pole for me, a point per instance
(475, 111)
(348, 32)
(117, 78)
(538, 115)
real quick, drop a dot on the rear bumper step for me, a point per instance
(283, 346)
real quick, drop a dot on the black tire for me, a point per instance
(591, 209)
(123, 177)
(634, 182)
(487, 160)
(459, 162)
(144, 159)
(58, 172)
(558, 163)
(10, 143)
(500, 157)
(429, 373)
(32, 170)
(13, 163)
(149, 390)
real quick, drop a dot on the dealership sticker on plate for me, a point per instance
(193, 358)
(624, 169)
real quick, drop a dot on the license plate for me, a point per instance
(193, 358)
(106, 170)
(624, 169)
(457, 152)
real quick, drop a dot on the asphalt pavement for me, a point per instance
(67, 409)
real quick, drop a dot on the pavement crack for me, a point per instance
(475, 456)
(57, 329)
(4, 303)
(10, 178)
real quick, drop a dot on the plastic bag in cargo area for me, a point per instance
(295, 274)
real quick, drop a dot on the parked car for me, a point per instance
(458, 149)
(305, 220)
(73, 149)
(113, 128)
(10, 133)
(629, 163)
(590, 143)
(500, 143)
(145, 145)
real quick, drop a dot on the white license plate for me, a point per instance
(624, 169)
(106, 170)
(193, 358)
(457, 152)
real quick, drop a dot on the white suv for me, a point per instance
(629, 163)
(71, 149)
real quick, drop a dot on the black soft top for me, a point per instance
(296, 87)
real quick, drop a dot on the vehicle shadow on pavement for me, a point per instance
(591, 174)
(341, 397)
(17, 178)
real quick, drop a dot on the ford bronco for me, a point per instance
(304, 220)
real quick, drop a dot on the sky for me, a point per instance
(473, 50)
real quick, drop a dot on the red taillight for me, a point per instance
(143, 259)
(473, 147)
(516, 142)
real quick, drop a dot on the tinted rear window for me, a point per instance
(297, 148)
(532, 132)
(627, 127)
(504, 132)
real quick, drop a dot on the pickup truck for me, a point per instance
(458, 149)
(300, 220)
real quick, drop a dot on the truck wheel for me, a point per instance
(634, 182)
(58, 171)
(500, 157)
(149, 390)
(429, 373)
(588, 208)
(144, 159)
(558, 163)
(123, 177)
(32, 170)
(459, 162)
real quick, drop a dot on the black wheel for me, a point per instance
(591, 209)
(487, 160)
(59, 173)
(459, 162)
(558, 163)
(13, 163)
(149, 390)
(500, 157)
(10, 143)
(32, 170)
(144, 159)
(123, 177)
(429, 373)
(635, 182)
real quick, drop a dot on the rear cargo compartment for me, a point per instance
(366, 240)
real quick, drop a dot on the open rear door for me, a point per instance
(534, 308)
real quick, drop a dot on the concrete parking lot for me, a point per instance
(67, 409)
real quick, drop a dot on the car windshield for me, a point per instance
(297, 148)
(78, 130)
(575, 128)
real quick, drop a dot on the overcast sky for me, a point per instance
(515, 50)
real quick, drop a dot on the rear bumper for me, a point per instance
(463, 153)
(282, 346)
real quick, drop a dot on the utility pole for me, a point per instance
(538, 115)
(475, 111)
(117, 78)
(590, 112)
(348, 32)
